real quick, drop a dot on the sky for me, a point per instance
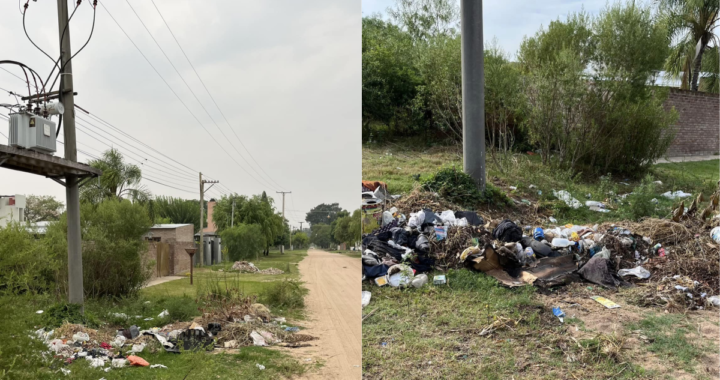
(508, 21)
(285, 74)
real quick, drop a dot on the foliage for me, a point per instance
(113, 247)
(43, 208)
(58, 314)
(176, 210)
(641, 200)
(424, 19)
(26, 263)
(257, 210)
(286, 294)
(348, 229)
(181, 308)
(300, 240)
(119, 180)
(320, 235)
(458, 187)
(243, 241)
(692, 26)
(323, 214)
(610, 120)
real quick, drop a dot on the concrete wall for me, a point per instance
(178, 238)
(698, 126)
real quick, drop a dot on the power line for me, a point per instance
(176, 95)
(211, 97)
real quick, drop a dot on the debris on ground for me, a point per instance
(421, 233)
(247, 267)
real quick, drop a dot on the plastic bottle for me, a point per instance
(539, 234)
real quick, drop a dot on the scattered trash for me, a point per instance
(65, 371)
(39, 312)
(605, 302)
(118, 363)
(230, 344)
(676, 195)
(715, 234)
(366, 298)
(440, 232)
(158, 366)
(137, 361)
(292, 329)
(381, 281)
(81, 337)
(258, 339)
(260, 366)
(567, 198)
(439, 280)
(638, 272)
(419, 280)
(715, 300)
(137, 348)
(559, 313)
(163, 314)
(552, 220)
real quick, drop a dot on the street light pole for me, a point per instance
(473, 90)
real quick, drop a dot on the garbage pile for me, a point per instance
(106, 351)
(544, 255)
(247, 267)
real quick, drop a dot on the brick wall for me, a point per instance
(179, 259)
(698, 126)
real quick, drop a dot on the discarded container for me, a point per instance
(638, 272)
(552, 220)
(715, 300)
(605, 302)
(439, 279)
(715, 234)
(594, 204)
(561, 243)
(419, 280)
(81, 337)
(387, 218)
(538, 234)
(559, 313)
(366, 298)
(381, 281)
(440, 232)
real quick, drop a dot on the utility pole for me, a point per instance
(72, 191)
(473, 90)
(202, 216)
(301, 223)
(282, 246)
(291, 229)
(232, 217)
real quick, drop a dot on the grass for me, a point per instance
(347, 252)
(434, 332)
(404, 167)
(669, 339)
(20, 358)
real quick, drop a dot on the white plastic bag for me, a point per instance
(419, 280)
(567, 198)
(387, 218)
(448, 218)
(676, 194)
(462, 222)
(715, 234)
(638, 272)
(366, 298)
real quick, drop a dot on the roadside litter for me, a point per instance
(420, 234)
(247, 267)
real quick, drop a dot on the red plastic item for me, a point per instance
(137, 361)
(105, 346)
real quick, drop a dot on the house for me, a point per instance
(12, 209)
(167, 244)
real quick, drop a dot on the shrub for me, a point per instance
(60, 313)
(287, 294)
(113, 247)
(181, 308)
(244, 241)
(459, 188)
(640, 202)
(25, 262)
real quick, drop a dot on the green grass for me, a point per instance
(669, 339)
(19, 355)
(434, 331)
(405, 167)
(348, 252)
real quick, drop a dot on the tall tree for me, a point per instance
(253, 210)
(175, 210)
(119, 180)
(323, 214)
(43, 208)
(693, 26)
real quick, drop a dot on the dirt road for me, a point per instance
(334, 314)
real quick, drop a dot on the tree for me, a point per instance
(119, 180)
(252, 210)
(692, 24)
(320, 235)
(425, 19)
(176, 210)
(43, 208)
(243, 241)
(300, 240)
(347, 229)
(323, 214)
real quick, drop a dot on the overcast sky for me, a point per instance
(285, 73)
(510, 20)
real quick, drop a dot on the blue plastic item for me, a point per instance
(539, 234)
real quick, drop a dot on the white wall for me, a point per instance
(15, 213)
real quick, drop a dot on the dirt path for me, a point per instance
(334, 314)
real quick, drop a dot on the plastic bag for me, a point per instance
(638, 272)
(366, 298)
(387, 218)
(448, 218)
(419, 280)
(462, 222)
(567, 198)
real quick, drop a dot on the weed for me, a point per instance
(57, 314)
(181, 308)
(287, 294)
(459, 188)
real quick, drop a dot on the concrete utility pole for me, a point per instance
(282, 246)
(202, 217)
(473, 90)
(72, 191)
(301, 223)
(232, 217)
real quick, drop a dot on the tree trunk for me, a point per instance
(696, 67)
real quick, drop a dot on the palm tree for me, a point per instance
(692, 24)
(119, 180)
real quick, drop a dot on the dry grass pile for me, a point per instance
(447, 251)
(271, 271)
(419, 199)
